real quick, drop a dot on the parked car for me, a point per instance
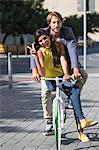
(89, 42)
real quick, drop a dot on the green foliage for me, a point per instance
(93, 21)
(23, 16)
(77, 23)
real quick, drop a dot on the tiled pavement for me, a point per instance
(22, 124)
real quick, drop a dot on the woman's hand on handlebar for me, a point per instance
(66, 77)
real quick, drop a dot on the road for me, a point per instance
(92, 59)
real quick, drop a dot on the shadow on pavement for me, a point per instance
(22, 101)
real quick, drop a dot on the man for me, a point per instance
(67, 38)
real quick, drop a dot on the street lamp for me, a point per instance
(85, 6)
(85, 45)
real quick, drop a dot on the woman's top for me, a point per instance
(50, 70)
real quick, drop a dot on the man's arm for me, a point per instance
(68, 39)
(72, 48)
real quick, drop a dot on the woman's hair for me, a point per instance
(51, 14)
(55, 53)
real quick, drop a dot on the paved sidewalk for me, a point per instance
(21, 117)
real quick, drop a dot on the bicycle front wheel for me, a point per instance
(57, 122)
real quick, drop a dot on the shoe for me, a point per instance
(83, 137)
(69, 106)
(48, 130)
(87, 123)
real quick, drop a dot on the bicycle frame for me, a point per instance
(58, 113)
(58, 98)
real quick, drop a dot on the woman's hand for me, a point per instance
(35, 75)
(66, 77)
(32, 50)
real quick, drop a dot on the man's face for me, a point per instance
(55, 24)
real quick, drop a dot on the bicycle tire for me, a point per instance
(57, 123)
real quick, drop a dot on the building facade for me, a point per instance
(69, 7)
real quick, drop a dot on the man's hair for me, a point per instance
(51, 14)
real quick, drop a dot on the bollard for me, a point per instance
(10, 69)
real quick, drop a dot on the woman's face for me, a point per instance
(44, 41)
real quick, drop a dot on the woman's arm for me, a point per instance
(41, 62)
(39, 67)
(35, 74)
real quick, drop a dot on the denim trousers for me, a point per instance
(80, 83)
(46, 88)
(75, 99)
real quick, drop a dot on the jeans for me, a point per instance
(73, 93)
(46, 88)
(75, 99)
(80, 83)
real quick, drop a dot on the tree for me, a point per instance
(93, 21)
(23, 16)
(76, 23)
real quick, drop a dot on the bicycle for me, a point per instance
(59, 111)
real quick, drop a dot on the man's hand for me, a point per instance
(76, 73)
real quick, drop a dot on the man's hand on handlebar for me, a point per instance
(76, 73)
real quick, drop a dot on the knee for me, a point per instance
(76, 90)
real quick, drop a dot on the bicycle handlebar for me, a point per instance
(52, 79)
(59, 79)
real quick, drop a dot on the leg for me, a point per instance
(83, 122)
(79, 83)
(75, 98)
(47, 107)
(46, 101)
(78, 114)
